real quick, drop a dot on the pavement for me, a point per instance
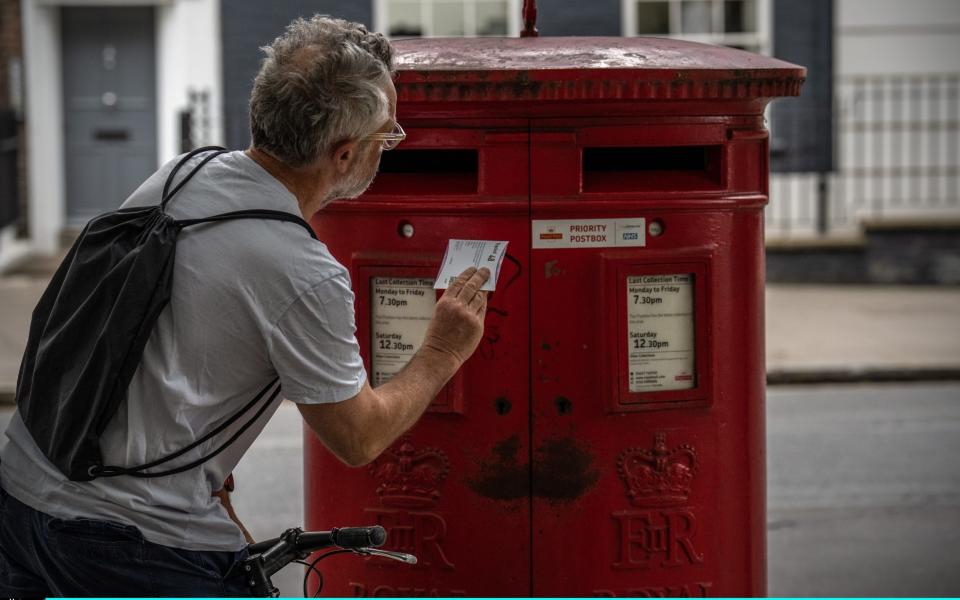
(860, 333)
(815, 333)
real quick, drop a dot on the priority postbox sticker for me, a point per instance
(589, 233)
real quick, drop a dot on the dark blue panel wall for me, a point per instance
(578, 17)
(802, 128)
(247, 25)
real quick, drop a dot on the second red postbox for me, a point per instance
(607, 438)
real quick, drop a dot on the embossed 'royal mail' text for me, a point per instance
(363, 590)
(700, 589)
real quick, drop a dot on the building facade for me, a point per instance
(109, 89)
(896, 108)
(104, 86)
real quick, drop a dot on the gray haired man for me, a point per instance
(252, 300)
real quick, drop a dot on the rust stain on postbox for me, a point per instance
(502, 476)
(562, 471)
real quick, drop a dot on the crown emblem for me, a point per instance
(410, 478)
(659, 476)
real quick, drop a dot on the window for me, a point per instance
(737, 23)
(447, 18)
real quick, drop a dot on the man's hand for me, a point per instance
(224, 495)
(359, 429)
(457, 324)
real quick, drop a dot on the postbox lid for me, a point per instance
(586, 68)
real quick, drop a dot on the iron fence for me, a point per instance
(897, 148)
(9, 171)
(195, 121)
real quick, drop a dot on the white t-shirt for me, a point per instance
(251, 300)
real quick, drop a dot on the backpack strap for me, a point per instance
(138, 471)
(274, 215)
(167, 194)
(215, 151)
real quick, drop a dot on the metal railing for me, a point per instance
(195, 121)
(9, 168)
(897, 157)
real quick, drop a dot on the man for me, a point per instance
(251, 300)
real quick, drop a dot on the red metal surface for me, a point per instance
(652, 531)
(568, 69)
(529, 19)
(505, 58)
(538, 471)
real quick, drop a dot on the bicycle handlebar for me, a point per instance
(311, 541)
(269, 556)
(359, 537)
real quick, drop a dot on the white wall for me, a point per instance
(188, 58)
(877, 37)
(43, 112)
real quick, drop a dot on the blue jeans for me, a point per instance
(44, 556)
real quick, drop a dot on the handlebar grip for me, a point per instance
(359, 537)
(261, 547)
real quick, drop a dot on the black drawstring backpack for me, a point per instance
(92, 323)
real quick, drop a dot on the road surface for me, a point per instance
(863, 489)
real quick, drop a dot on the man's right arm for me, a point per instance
(357, 430)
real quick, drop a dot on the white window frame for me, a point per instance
(761, 39)
(380, 22)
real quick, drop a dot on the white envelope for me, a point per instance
(463, 254)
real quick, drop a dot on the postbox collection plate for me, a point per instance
(658, 338)
(396, 303)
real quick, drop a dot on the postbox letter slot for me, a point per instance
(431, 172)
(627, 169)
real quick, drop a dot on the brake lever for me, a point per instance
(399, 556)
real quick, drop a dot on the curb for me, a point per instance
(862, 375)
(805, 377)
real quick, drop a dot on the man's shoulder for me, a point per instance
(314, 263)
(279, 259)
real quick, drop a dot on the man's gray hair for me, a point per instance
(322, 82)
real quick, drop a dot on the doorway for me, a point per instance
(109, 87)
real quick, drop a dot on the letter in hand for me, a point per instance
(457, 325)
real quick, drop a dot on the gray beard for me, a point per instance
(351, 186)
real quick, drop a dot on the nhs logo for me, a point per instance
(630, 232)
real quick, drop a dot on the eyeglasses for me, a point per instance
(389, 141)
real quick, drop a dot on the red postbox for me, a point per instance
(607, 438)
